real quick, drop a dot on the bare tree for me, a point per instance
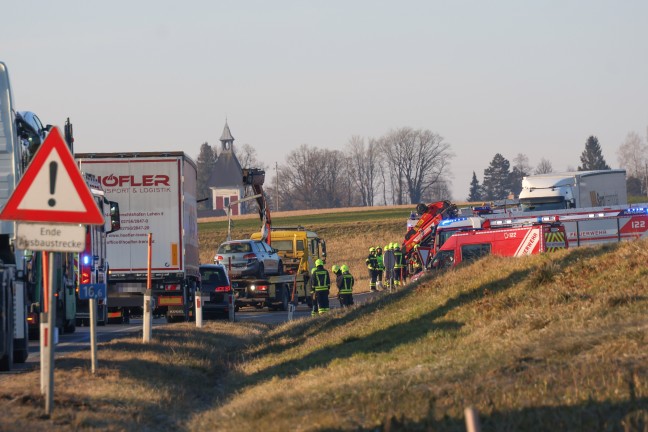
(521, 162)
(633, 156)
(248, 158)
(417, 160)
(544, 167)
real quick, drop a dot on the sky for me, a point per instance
(508, 77)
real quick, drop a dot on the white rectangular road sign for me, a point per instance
(51, 237)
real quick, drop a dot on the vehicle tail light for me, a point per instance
(262, 287)
(218, 258)
(225, 288)
(85, 277)
(32, 318)
(249, 256)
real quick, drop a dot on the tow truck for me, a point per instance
(297, 246)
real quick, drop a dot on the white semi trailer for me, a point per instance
(156, 193)
(574, 190)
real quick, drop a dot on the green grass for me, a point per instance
(548, 342)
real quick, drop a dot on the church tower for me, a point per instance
(226, 179)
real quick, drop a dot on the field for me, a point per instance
(549, 342)
(349, 233)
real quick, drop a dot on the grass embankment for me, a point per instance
(551, 342)
(348, 234)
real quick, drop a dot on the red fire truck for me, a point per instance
(515, 241)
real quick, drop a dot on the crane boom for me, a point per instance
(255, 178)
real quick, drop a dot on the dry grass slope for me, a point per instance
(551, 342)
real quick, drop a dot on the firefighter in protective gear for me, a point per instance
(389, 275)
(380, 268)
(399, 265)
(415, 260)
(335, 269)
(372, 266)
(320, 284)
(345, 283)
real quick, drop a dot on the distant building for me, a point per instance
(226, 179)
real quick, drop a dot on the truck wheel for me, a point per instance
(70, 326)
(7, 360)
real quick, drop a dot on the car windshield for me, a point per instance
(213, 277)
(226, 248)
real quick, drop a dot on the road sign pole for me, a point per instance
(51, 324)
(232, 306)
(93, 333)
(199, 309)
(293, 300)
(148, 313)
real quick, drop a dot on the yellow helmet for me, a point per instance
(344, 268)
(372, 249)
(335, 268)
(319, 262)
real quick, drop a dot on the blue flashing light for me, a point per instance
(447, 222)
(86, 259)
(636, 210)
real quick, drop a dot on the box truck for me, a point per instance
(575, 189)
(156, 193)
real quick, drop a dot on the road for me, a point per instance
(80, 339)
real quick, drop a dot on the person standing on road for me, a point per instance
(345, 283)
(399, 265)
(380, 268)
(388, 261)
(320, 284)
(372, 265)
(337, 273)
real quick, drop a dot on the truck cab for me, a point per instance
(298, 247)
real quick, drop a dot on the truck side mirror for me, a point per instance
(115, 220)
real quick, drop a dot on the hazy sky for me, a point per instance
(490, 77)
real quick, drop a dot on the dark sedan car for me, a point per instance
(216, 286)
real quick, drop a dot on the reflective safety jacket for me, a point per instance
(372, 262)
(381, 264)
(399, 259)
(320, 279)
(345, 283)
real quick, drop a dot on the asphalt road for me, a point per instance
(80, 339)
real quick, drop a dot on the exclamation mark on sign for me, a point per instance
(53, 167)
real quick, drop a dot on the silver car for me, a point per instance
(249, 258)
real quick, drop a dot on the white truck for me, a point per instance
(156, 193)
(14, 143)
(573, 190)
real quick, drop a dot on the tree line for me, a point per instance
(502, 180)
(404, 166)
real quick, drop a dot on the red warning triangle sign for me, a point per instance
(52, 189)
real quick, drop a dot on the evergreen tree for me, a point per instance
(496, 183)
(592, 157)
(515, 180)
(475, 193)
(205, 164)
